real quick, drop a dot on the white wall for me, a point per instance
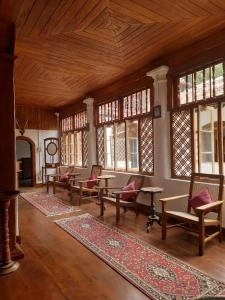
(38, 136)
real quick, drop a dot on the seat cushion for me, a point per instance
(64, 177)
(129, 196)
(202, 198)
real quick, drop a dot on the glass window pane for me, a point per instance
(207, 83)
(139, 103)
(120, 147)
(196, 138)
(66, 150)
(190, 87)
(132, 146)
(148, 100)
(219, 85)
(208, 140)
(125, 107)
(134, 112)
(182, 90)
(71, 149)
(199, 85)
(78, 149)
(109, 147)
(129, 106)
(144, 108)
(223, 134)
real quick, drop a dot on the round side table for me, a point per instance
(153, 216)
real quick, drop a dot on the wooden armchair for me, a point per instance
(55, 179)
(117, 196)
(87, 185)
(199, 181)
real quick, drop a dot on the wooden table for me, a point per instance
(153, 216)
(106, 178)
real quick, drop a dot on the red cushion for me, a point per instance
(200, 199)
(64, 177)
(129, 196)
(90, 184)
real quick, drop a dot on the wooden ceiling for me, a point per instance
(68, 48)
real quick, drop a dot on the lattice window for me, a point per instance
(181, 142)
(85, 148)
(146, 145)
(100, 145)
(62, 149)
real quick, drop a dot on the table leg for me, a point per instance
(106, 185)
(153, 217)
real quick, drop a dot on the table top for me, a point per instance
(152, 189)
(106, 177)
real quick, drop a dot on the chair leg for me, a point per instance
(117, 213)
(201, 235)
(81, 196)
(54, 188)
(47, 185)
(71, 195)
(101, 207)
(164, 226)
(136, 210)
(221, 234)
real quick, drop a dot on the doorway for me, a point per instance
(25, 156)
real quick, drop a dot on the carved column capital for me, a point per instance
(159, 74)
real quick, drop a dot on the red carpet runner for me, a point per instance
(49, 204)
(157, 274)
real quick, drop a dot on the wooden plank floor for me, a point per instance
(56, 266)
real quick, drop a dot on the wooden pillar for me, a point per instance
(7, 126)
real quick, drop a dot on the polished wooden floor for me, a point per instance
(56, 266)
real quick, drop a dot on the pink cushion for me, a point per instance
(90, 184)
(129, 196)
(64, 177)
(200, 199)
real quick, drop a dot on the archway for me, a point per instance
(28, 160)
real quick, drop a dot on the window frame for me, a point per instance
(122, 119)
(192, 106)
(78, 124)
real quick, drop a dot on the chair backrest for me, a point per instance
(138, 179)
(213, 182)
(63, 169)
(96, 170)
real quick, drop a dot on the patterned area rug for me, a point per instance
(49, 204)
(157, 274)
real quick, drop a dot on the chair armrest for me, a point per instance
(88, 180)
(173, 198)
(208, 206)
(109, 187)
(125, 192)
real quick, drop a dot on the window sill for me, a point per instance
(127, 173)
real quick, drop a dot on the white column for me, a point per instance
(161, 125)
(92, 133)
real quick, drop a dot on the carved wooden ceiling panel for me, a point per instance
(68, 48)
